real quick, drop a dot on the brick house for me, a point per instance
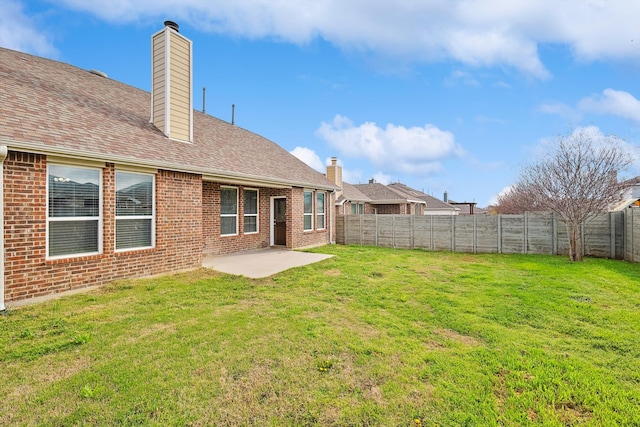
(102, 181)
(371, 198)
(433, 206)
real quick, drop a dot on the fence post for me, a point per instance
(431, 245)
(633, 242)
(453, 234)
(582, 242)
(525, 234)
(346, 230)
(612, 235)
(475, 234)
(413, 225)
(393, 231)
(377, 231)
(554, 234)
(499, 234)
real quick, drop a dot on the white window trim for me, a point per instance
(324, 212)
(257, 214)
(229, 215)
(312, 213)
(99, 218)
(153, 212)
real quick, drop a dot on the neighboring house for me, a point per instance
(349, 200)
(466, 208)
(385, 201)
(352, 201)
(632, 189)
(630, 196)
(103, 181)
(433, 206)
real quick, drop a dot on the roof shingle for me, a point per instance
(55, 108)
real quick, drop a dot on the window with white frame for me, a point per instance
(228, 211)
(357, 208)
(74, 210)
(134, 210)
(250, 211)
(308, 210)
(320, 211)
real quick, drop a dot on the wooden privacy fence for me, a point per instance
(609, 235)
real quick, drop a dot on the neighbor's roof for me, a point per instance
(381, 194)
(624, 204)
(465, 208)
(54, 108)
(432, 202)
(352, 194)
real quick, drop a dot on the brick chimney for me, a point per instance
(171, 83)
(334, 173)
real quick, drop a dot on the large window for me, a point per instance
(229, 211)
(74, 220)
(320, 211)
(134, 211)
(308, 210)
(250, 211)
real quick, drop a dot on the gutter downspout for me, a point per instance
(3, 156)
(332, 218)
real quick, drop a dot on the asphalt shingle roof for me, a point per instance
(432, 202)
(55, 108)
(379, 192)
(349, 192)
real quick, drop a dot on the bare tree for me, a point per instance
(576, 179)
(517, 199)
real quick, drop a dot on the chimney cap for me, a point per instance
(172, 25)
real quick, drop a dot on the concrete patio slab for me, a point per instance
(261, 263)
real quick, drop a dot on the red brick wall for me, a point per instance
(300, 237)
(215, 244)
(389, 209)
(29, 274)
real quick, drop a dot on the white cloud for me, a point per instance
(594, 135)
(22, 33)
(411, 151)
(560, 109)
(475, 33)
(310, 157)
(494, 199)
(353, 176)
(614, 102)
(382, 178)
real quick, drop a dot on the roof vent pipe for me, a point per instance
(172, 25)
(446, 197)
(233, 114)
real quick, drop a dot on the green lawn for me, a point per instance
(370, 337)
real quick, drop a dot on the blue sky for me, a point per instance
(441, 95)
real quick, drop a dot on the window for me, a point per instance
(357, 208)
(308, 210)
(250, 211)
(74, 219)
(320, 211)
(134, 210)
(228, 211)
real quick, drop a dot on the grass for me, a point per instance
(370, 337)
